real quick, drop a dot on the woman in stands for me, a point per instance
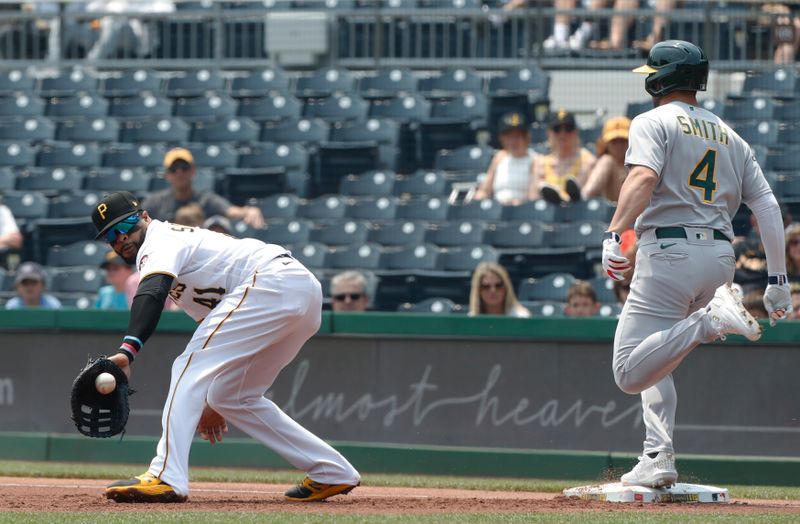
(493, 294)
(508, 177)
(558, 176)
(608, 173)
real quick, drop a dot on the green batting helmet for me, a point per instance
(674, 65)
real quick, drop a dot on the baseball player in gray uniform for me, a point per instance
(688, 173)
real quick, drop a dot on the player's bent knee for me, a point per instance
(626, 383)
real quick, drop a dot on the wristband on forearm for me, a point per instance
(777, 280)
(130, 347)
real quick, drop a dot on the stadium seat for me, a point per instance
(62, 154)
(715, 106)
(327, 4)
(21, 104)
(80, 253)
(336, 160)
(764, 133)
(421, 182)
(218, 156)
(341, 232)
(466, 158)
(26, 204)
(87, 279)
(539, 210)
(235, 129)
(749, 108)
(145, 105)
(78, 106)
(103, 129)
(609, 310)
(371, 183)
(398, 233)
(8, 179)
(47, 232)
(323, 207)
(529, 80)
(133, 155)
(15, 81)
(266, 154)
(67, 82)
(597, 209)
(166, 130)
(486, 209)
(239, 185)
(425, 208)
(545, 308)
(195, 83)
(31, 129)
(18, 154)
(789, 135)
(404, 108)
(457, 233)
(311, 254)
(777, 82)
(782, 160)
(271, 108)
(304, 131)
(604, 289)
(337, 108)
(633, 109)
(284, 232)
(450, 4)
(366, 256)
(438, 134)
(523, 234)
(435, 305)
(135, 180)
(131, 83)
(787, 187)
(467, 106)
(382, 132)
(76, 204)
(205, 179)
(260, 82)
(206, 107)
(76, 300)
(553, 287)
(466, 258)
(387, 83)
(576, 234)
(279, 206)
(373, 208)
(324, 82)
(50, 180)
(451, 82)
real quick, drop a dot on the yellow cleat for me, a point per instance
(309, 491)
(143, 488)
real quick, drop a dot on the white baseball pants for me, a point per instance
(232, 359)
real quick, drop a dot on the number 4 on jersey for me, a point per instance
(703, 175)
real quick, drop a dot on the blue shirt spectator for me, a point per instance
(30, 287)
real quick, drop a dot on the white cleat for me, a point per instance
(728, 314)
(657, 472)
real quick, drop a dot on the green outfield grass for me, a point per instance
(115, 471)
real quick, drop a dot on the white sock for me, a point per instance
(585, 29)
(560, 32)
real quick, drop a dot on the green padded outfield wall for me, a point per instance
(517, 384)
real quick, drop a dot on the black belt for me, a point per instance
(679, 232)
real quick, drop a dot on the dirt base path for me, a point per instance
(84, 495)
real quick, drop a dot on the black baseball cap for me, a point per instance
(114, 208)
(562, 117)
(512, 122)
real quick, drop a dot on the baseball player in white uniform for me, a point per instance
(688, 173)
(255, 306)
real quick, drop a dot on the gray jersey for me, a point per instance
(705, 169)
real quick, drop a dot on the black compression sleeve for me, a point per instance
(146, 311)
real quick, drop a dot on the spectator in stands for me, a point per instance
(622, 289)
(559, 175)
(180, 169)
(118, 275)
(493, 294)
(10, 237)
(586, 32)
(795, 313)
(620, 24)
(609, 172)
(785, 26)
(122, 35)
(508, 178)
(349, 292)
(581, 300)
(754, 303)
(793, 251)
(30, 286)
(220, 224)
(190, 215)
(561, 39)
(657, 29)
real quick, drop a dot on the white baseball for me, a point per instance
(105, 383)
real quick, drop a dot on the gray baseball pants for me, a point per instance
(664, 319)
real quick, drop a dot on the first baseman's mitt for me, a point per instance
(95, 414)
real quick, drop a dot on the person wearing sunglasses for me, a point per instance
(559, 175)
(255, 306)
(180, 170)
(493, 294)
(349, 292)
